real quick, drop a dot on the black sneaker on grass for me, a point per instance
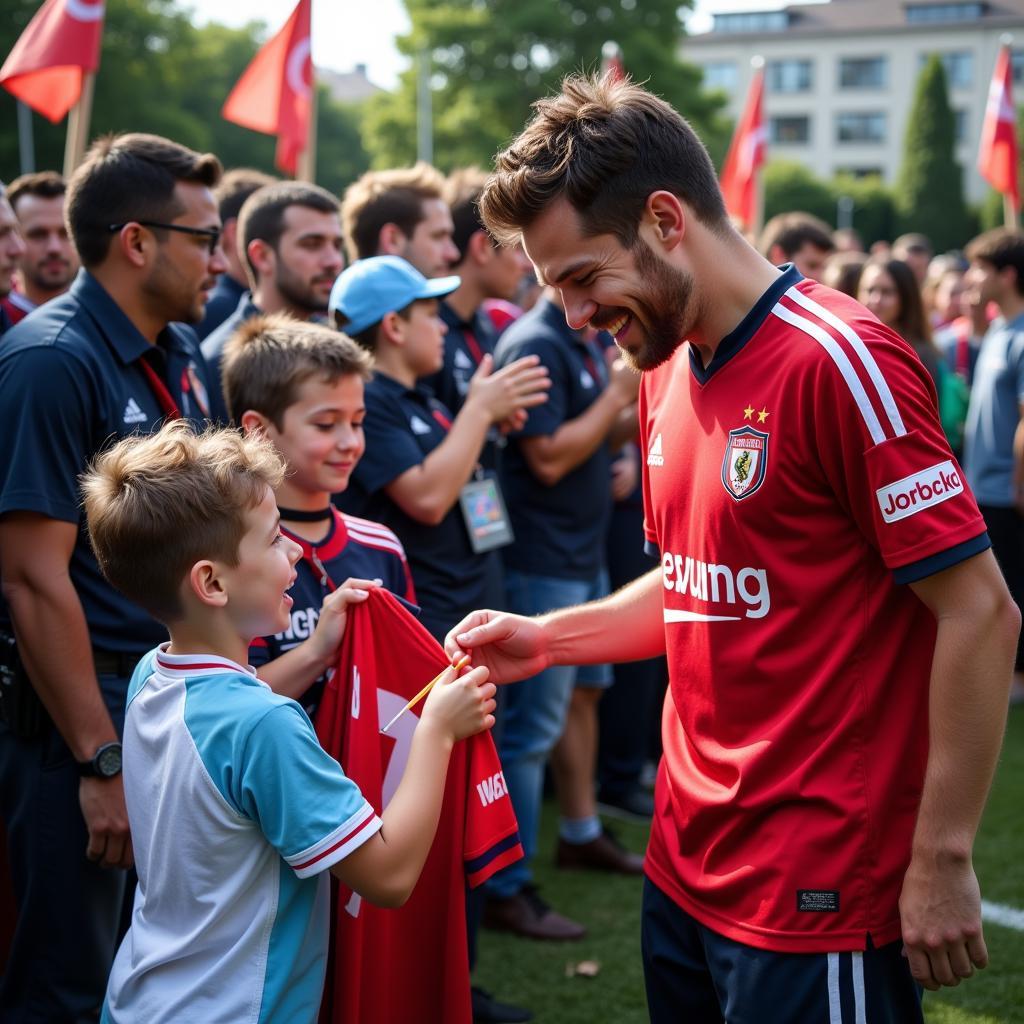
(487, 1010)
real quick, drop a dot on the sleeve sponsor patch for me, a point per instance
(921, 490)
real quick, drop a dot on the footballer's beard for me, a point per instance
(669, 311)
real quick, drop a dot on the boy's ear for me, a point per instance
(392, 329)
(205, 583)
(253, 422)
(391, 241)
(480, 247)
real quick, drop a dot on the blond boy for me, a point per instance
(236, 812)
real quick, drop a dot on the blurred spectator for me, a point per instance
(235, 187)
(843, 270)
(994, 442)
(798, 238)
(50, 261)
(847, 240)
(555, 475)
(487, 271)
(890, 290)
(11, 249)
(289, 234)
(943, 288)
(420, 474)
(401, 212)
(102, 361)
(916, 251)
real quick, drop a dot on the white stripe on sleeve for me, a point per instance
(839, 357)
(866, 358)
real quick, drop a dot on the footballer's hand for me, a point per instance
(330, 627)
(461, 705)
(940, 911)
(512, 647)
(106, 818)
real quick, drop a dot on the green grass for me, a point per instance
(533, 974)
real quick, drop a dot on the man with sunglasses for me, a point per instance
(111, 357)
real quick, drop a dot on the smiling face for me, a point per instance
(258, 603)
(648, 305)
(321, 439)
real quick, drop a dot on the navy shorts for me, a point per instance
(696, 976)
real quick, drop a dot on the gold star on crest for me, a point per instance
(748, 412)
(762, 416)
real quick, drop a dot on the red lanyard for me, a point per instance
(442, 419)
(163, 397)
(588, 359)
(473, 345)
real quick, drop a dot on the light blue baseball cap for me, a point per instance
(367, 291)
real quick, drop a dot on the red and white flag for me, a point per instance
(611, 62)
(997, 157)
(745, 157)
(274, 94)
(59, 46)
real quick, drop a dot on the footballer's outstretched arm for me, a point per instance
(626, 626)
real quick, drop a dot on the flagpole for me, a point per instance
(307, 159)
(78, 125)
(1009, 213)
(26, 143)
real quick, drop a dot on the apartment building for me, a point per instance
(840, 76)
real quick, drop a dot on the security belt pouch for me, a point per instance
(20, 706)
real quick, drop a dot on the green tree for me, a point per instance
(791, 186)
(929, 189)
(491, 58)
(160, 73)
(874, 213)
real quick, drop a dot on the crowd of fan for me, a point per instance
(484, 403)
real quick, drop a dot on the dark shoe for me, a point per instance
(605, 853)
(637, 805)
(528, 915)
(487, 1010)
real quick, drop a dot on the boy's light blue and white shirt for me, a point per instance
(236, 814)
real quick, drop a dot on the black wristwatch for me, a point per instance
(105, 763)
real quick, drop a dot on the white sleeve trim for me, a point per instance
(345, 839)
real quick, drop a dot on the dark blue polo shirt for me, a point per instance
(222, 303)
(464, 344)
(213, 348)
(403, 426)
(71, 384)
(560, 531)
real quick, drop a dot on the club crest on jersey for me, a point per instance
(745, 462)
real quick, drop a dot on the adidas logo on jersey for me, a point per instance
(133, 414)
(462, 361)
(586, 380)
(417, 426)
(915, 493)
(654, 456)
(492, 788)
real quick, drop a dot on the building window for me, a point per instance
(959, 68)
(931, 14)
(862, 72)
(1017, 65)
(751, 21)
(721, 75)
(789, 76)
(791, 129)
(860, 127)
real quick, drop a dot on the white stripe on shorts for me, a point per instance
(835, 1008)
(858, 988)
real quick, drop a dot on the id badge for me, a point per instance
(483, 509)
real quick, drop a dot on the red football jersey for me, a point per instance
(411, 964)
(792, 488)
